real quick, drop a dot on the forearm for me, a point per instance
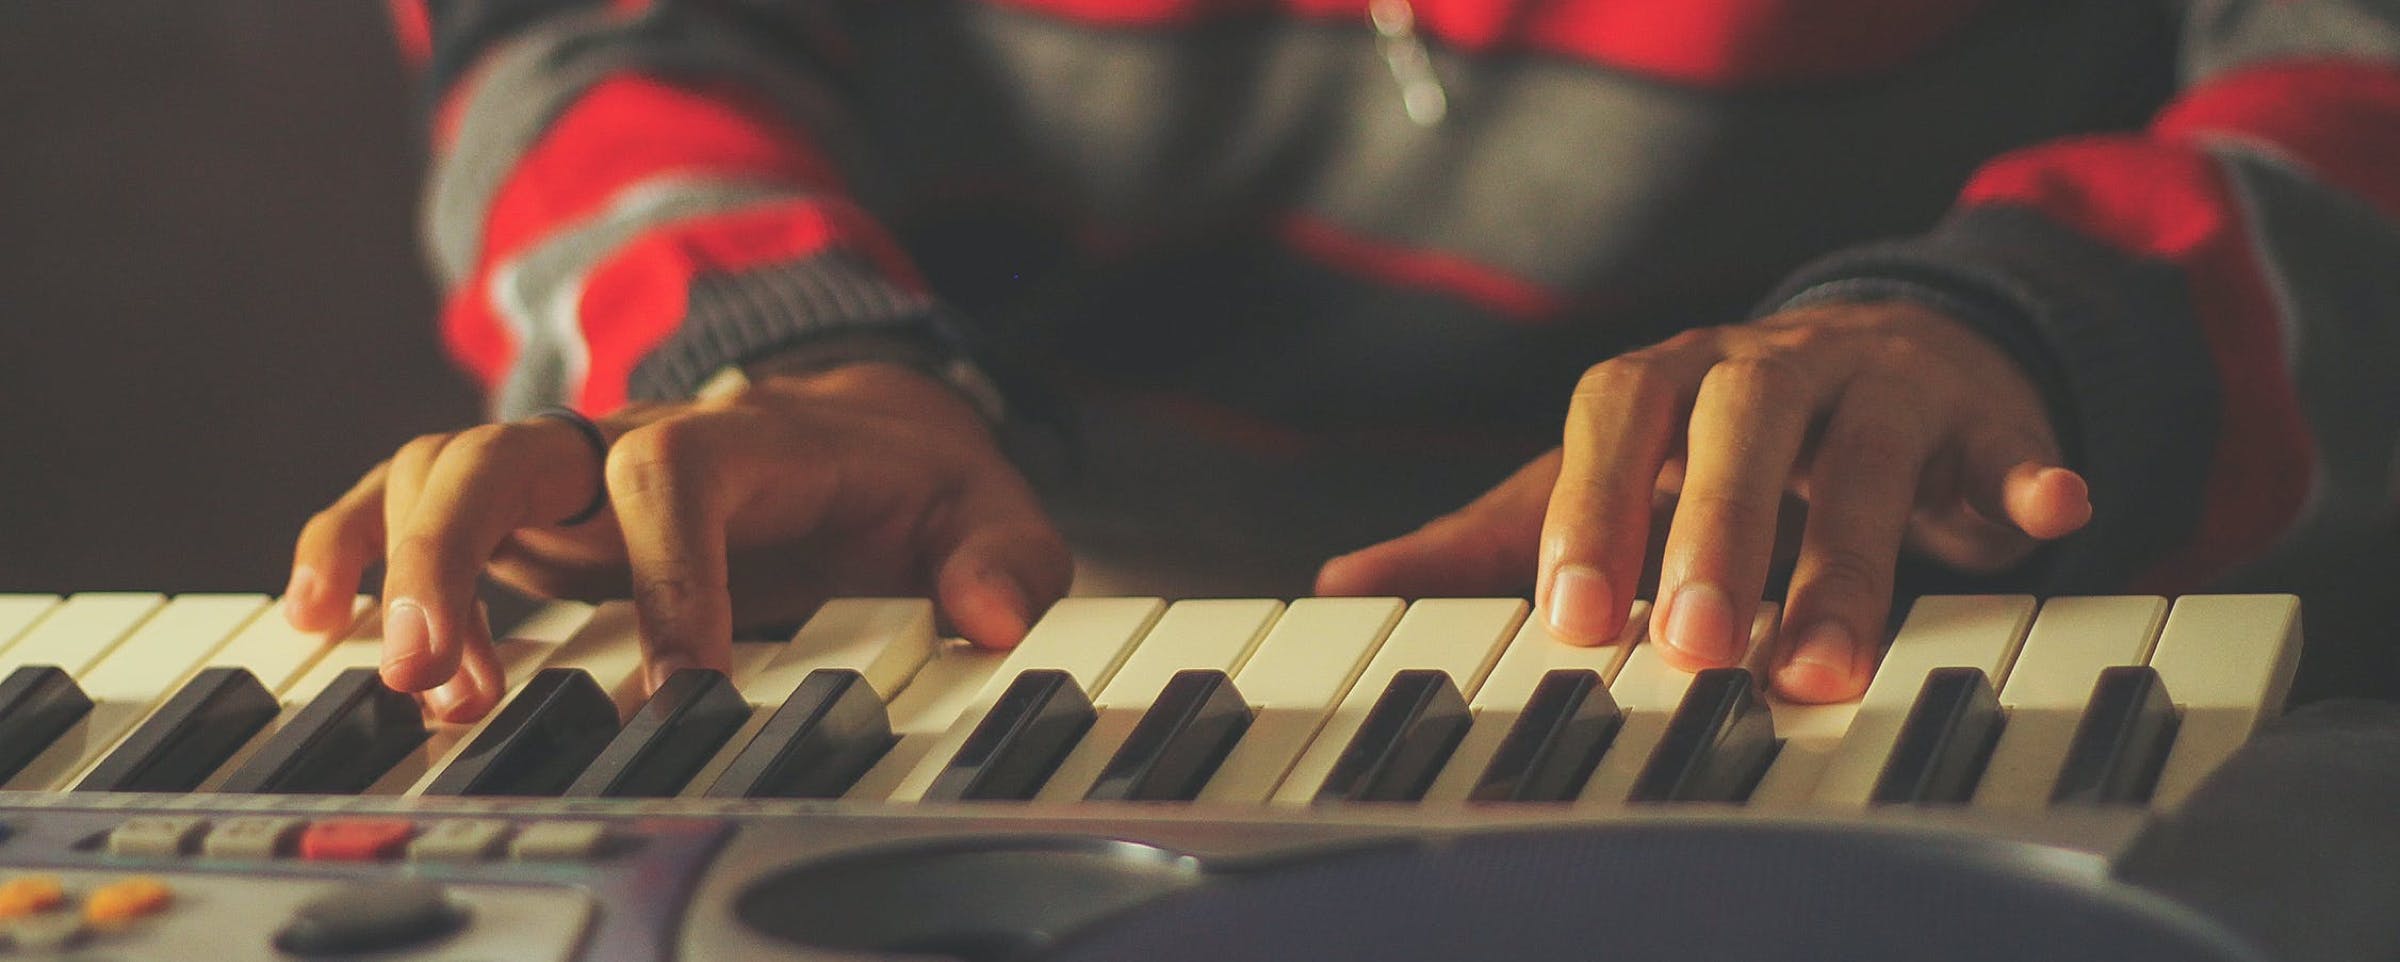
(621, 206)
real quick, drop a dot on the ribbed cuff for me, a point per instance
(732, 320)
(736, 319)
(2111, 341)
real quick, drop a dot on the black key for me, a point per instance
(539, 742)
(1403, 742)
(1716, 745)
(1555, 743)
(827, 734)
(201, 725)
(1178, 743)
(674, 733)
(1016, 747)
(2122, 741)
(1945, 742)
(338, 744)
(38, 703)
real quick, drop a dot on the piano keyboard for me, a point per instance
(1981, 701)
(1291, 722)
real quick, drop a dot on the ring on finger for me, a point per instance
(598, 442)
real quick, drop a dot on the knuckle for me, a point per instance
(1845, 574)
(1637, 376)
(483, 442)
(337, 527)
(422, 448)
(1731, 512)
(424, 551)
(1754, 377)
(1697, 338)
(652, 458)
(1877, 444)
(670, 593)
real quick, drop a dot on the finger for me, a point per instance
(407, 638)
(485, 483)
(474, 691)
(1000, 576)
(2018, 478)
(1748, 424)
(1621, 428)
(1489, 547)
(333, 551)
(670, 483)
(1865, 472)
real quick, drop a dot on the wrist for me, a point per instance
(810, 361)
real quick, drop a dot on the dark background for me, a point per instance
(215, 317)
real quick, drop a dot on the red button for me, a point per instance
(355, 839)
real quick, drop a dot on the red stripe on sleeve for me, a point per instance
(2168, 203)
(1418, 269)
(2339, 118)
(632, 128)
(412, 29)
(636, 297)
(1712, 43)
(622, 131)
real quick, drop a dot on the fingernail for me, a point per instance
(1018, 603)
(1830, 648)
(305, 591)
(1820, 663)
(444, 699)
(1580, 600)
(1701, 625)
(406, 633)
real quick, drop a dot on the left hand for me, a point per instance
(1893, 423)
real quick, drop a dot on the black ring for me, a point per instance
(599, 444)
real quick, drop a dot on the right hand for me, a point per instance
(867, 479)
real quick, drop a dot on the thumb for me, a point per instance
(2018, 480)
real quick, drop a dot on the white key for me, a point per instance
(526, 649)
(1648, 691)
(1088, 638)
(1217, 633)
(73, 637)
(277, 653)
(2227, 661)
(2071, 641)
(1809, 733)
(79, 632)
(1942, 631)
(940, 694)
(152, 663)
(887, 640)
(609, 648)
(1460, 636)
(19, 612)
(1299, 672)
(1532, 654)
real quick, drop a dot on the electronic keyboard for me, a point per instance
(190, 775)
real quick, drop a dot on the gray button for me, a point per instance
(556, 841)
(154, 836)
(255, 837)
(458, 840)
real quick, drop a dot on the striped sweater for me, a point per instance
(2182, 218)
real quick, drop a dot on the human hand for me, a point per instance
(1893, 423)
(866, 479)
